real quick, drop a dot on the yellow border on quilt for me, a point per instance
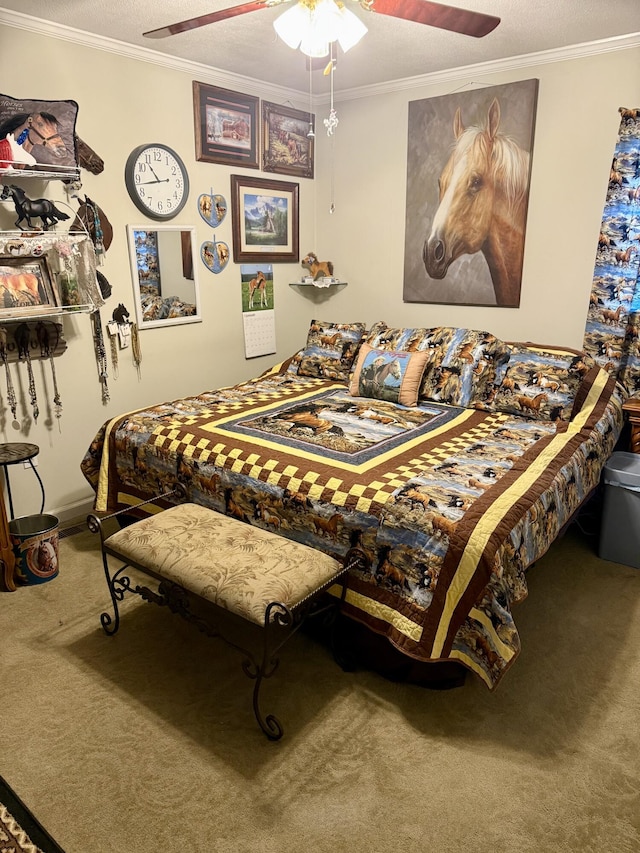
(380, 611)
(487, 524)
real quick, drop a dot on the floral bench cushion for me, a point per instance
(225, 561)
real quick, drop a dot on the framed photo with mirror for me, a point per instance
(164, 274)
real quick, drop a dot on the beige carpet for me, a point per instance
(146, 742)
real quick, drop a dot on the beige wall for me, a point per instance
(125, 102)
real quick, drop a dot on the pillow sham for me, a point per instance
(385, 337)
(466, 365)
(390, 375)
(331, 349)
(541, 382)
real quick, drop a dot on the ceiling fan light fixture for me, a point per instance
(312, 26)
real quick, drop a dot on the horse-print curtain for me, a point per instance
(613, 320)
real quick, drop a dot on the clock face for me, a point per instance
(157, 181)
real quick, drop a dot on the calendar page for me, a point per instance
(258, 314)
(259, 333)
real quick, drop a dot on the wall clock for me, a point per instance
(157, 180)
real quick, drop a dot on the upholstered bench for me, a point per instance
(255, 576)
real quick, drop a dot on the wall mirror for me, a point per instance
(164, 271)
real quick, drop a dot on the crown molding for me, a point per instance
(205, 73)
(513, 63)
(217, 77)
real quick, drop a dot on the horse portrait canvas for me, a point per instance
(45, 129)
(468, 175)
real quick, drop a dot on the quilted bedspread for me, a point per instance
(450, 504)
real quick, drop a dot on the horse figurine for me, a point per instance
(120, 315)
(318, 269)
(258, 283)
(27, 208)
(483, 206)
(13, 155)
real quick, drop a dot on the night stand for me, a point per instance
(631, 407)
(12, 454)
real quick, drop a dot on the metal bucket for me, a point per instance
(35, 544)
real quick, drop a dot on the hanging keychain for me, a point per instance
(22, 342)
(11, 394)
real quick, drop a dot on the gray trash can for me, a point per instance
(620, 530)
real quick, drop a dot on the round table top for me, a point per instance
(17, 451)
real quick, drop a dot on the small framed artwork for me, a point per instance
(287, 148)
(265, 223)
(26, 287)
(226, 126)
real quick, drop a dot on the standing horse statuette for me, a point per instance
(27, 208)
(483, 206)
(318, 269)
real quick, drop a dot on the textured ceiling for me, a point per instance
(391, 50)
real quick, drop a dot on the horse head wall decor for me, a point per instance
(483, 205)
(468, 176)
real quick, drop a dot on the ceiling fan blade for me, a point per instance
(211, 18)
(438, 15)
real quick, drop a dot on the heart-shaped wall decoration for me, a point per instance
(212, 208)
(215, 255)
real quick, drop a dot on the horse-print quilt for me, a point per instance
(450, 504)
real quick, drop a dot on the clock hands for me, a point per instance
(157, 181)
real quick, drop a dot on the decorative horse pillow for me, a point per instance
(45, 129)
(331, 349)
(390, 375)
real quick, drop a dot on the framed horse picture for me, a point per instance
(26, 287)
(468, 172)
(227, 126)
(287, 146)
(45, 129)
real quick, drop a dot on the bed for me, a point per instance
(454, 459)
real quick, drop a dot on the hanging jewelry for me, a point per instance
(101, 354)
(135, 347)
(11, 394)
(98, 236)
(22, 341)
(47, 351)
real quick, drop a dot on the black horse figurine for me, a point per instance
(26, 208)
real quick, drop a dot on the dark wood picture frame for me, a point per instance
(27, 287)
(265, 220)
(226, 125)
(286, 147)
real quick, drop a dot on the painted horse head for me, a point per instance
(483, 191)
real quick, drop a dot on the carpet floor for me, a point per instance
(146, 741)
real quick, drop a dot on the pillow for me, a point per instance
(48, 129)
(465, 366)
(331, 349)
(384, 337)
(390, 375)
(540, 382)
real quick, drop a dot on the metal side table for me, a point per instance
(12, 454)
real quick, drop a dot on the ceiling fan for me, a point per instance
(438, 15)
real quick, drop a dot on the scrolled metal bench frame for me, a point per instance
(280, 621)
